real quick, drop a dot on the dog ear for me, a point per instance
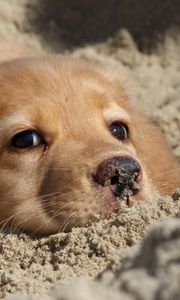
(156, 154)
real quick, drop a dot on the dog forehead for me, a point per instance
(55, 89)
(54, 80)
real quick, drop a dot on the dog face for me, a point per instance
(73, 148)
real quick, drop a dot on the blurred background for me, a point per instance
(62, 24)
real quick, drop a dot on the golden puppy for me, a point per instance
(73, 148)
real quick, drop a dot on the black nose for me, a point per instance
(121, 173)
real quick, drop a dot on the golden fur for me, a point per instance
(71, 104)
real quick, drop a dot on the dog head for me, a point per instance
(73, 146)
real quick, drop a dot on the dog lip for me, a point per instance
(111, 206)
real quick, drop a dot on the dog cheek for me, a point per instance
(15, 190)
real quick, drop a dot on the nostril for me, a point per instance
(114, 180)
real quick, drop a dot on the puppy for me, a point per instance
(73, 147)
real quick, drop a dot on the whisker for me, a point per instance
(67, 221)
(163, 187)
(166, 172)
(59, 211)
(5, 222)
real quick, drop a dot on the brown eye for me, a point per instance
(119, 131)
(27, 139)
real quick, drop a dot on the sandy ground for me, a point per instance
(135, 266)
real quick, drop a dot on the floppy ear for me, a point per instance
(156, 155)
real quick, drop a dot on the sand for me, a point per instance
(135, 254)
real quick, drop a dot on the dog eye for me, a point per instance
(119, 131)
(27, 139)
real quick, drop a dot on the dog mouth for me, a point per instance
(119, 190)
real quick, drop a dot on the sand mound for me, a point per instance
(129, 43)
(153, 267)
(34, 265)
